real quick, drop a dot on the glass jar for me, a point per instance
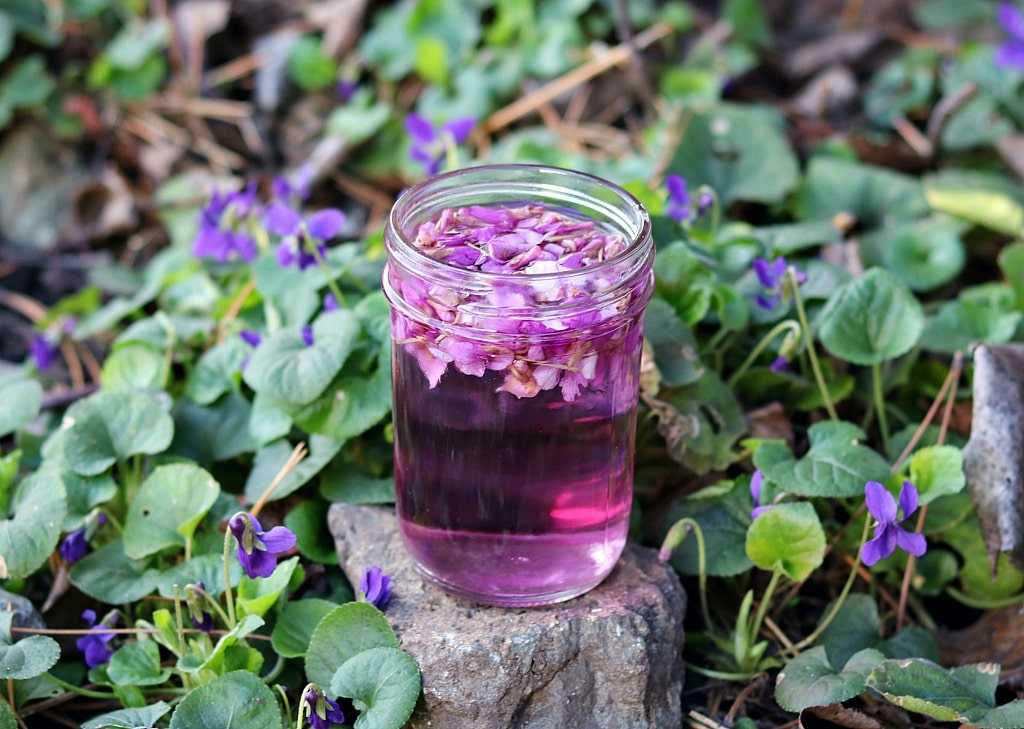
(517, 296)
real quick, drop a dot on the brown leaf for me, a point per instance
(836, 716)
(994, 455)
(770, 422)
(1011, 149)
(997, 636)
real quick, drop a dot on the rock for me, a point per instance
(610, 658)
(25, 613)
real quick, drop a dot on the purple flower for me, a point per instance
(375, 587)
(330, 303)
(250, 337)
(323, 712)
(704, 203)
(219, 236)
(430, 144)
(1010, 53)
(294, 189)
(76, 544)
(307, 335)
(94, 644)
(195, 598)
(756, 481)
(301, 237)
(257, 549)
(679, 205)
(346, 89)
(888, 533)
(43, 351)
(773, 278)
(779, 364)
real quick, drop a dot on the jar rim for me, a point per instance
(637, 239)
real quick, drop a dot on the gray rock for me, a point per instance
(610, 658)
(25, 613)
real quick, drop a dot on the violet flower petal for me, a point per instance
(880, 502)
(282, 220)
(325, 224)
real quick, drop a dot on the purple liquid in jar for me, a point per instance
(515, 401)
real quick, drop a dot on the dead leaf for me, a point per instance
(340, 20)
(844, 47)
(994, 455)
(831, 91)
(105, 207)
(997, 636)
(1011, 149)
(771, 423)
(836, 716)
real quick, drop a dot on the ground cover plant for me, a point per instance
(196, 360)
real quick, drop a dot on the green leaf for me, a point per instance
(167, 508)
(21, 399)
(268, 421)
(833, 468)
(787, 538)
(723, 513)
(344, 632)
(383, 683)
(236, 700)
(8, 720)
(357, 124)
(911, 642)
(257, 595)
(875, 196)
(309, 66)
(143, 716)
(271, 458)
(109, 576)
(738, 151)
(29, 536)
(431, 60)
(295, 626)
(675, 348)
(872, 319)
(834, 432)
(937, 471)
(214, 661)
(964, 693)
(748, 21)
(217, 371)
(111, 426)
(215, 432)
(135, 367)
(137, 664)
(205, 568)
(809, 679)
(28, 84)
(136, 42)
(28, 657)
(1011, 264)
(925, 253)
(289, 371)
(355, 486)
(309, 522)
(854, 628)
(967, 321)
(988, 208)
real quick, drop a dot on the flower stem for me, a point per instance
(674, 537)
(762, 609)
(331, 283)
(815, 365)
(78, 689)
(229, 597)
(883, 421)
(783, 326)
(816, 633)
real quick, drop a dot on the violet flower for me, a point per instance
(330, 303)
(773, 278)
(375, 588)
(94, 644)
(679, 205)
(257, 549)
(195, 599)
(888, 533)
(1010, 53)
(430, 145)
(222, 222)
(323, 713)
(300, 237)
(43, 351)
(756, 481)
(779, 364)
(307, 335)
(76, 544)
(295, 189)
(250, 337)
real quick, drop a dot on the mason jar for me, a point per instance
(517, 296)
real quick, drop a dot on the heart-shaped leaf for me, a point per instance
(236, 700)
(289, 370)
(132, 718)
(723, 513)
(346, 631)
(167, 508)
(137, 663)
(383, 683)
(257, 595)
(111, 426)
(937, 471)
(21, 399)
(29, 536)
(271, 458)
(295, 625)
(964, 693)
(28, 657)
(109, 576)
(787, 538)
(872, 319)
(809, 679)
